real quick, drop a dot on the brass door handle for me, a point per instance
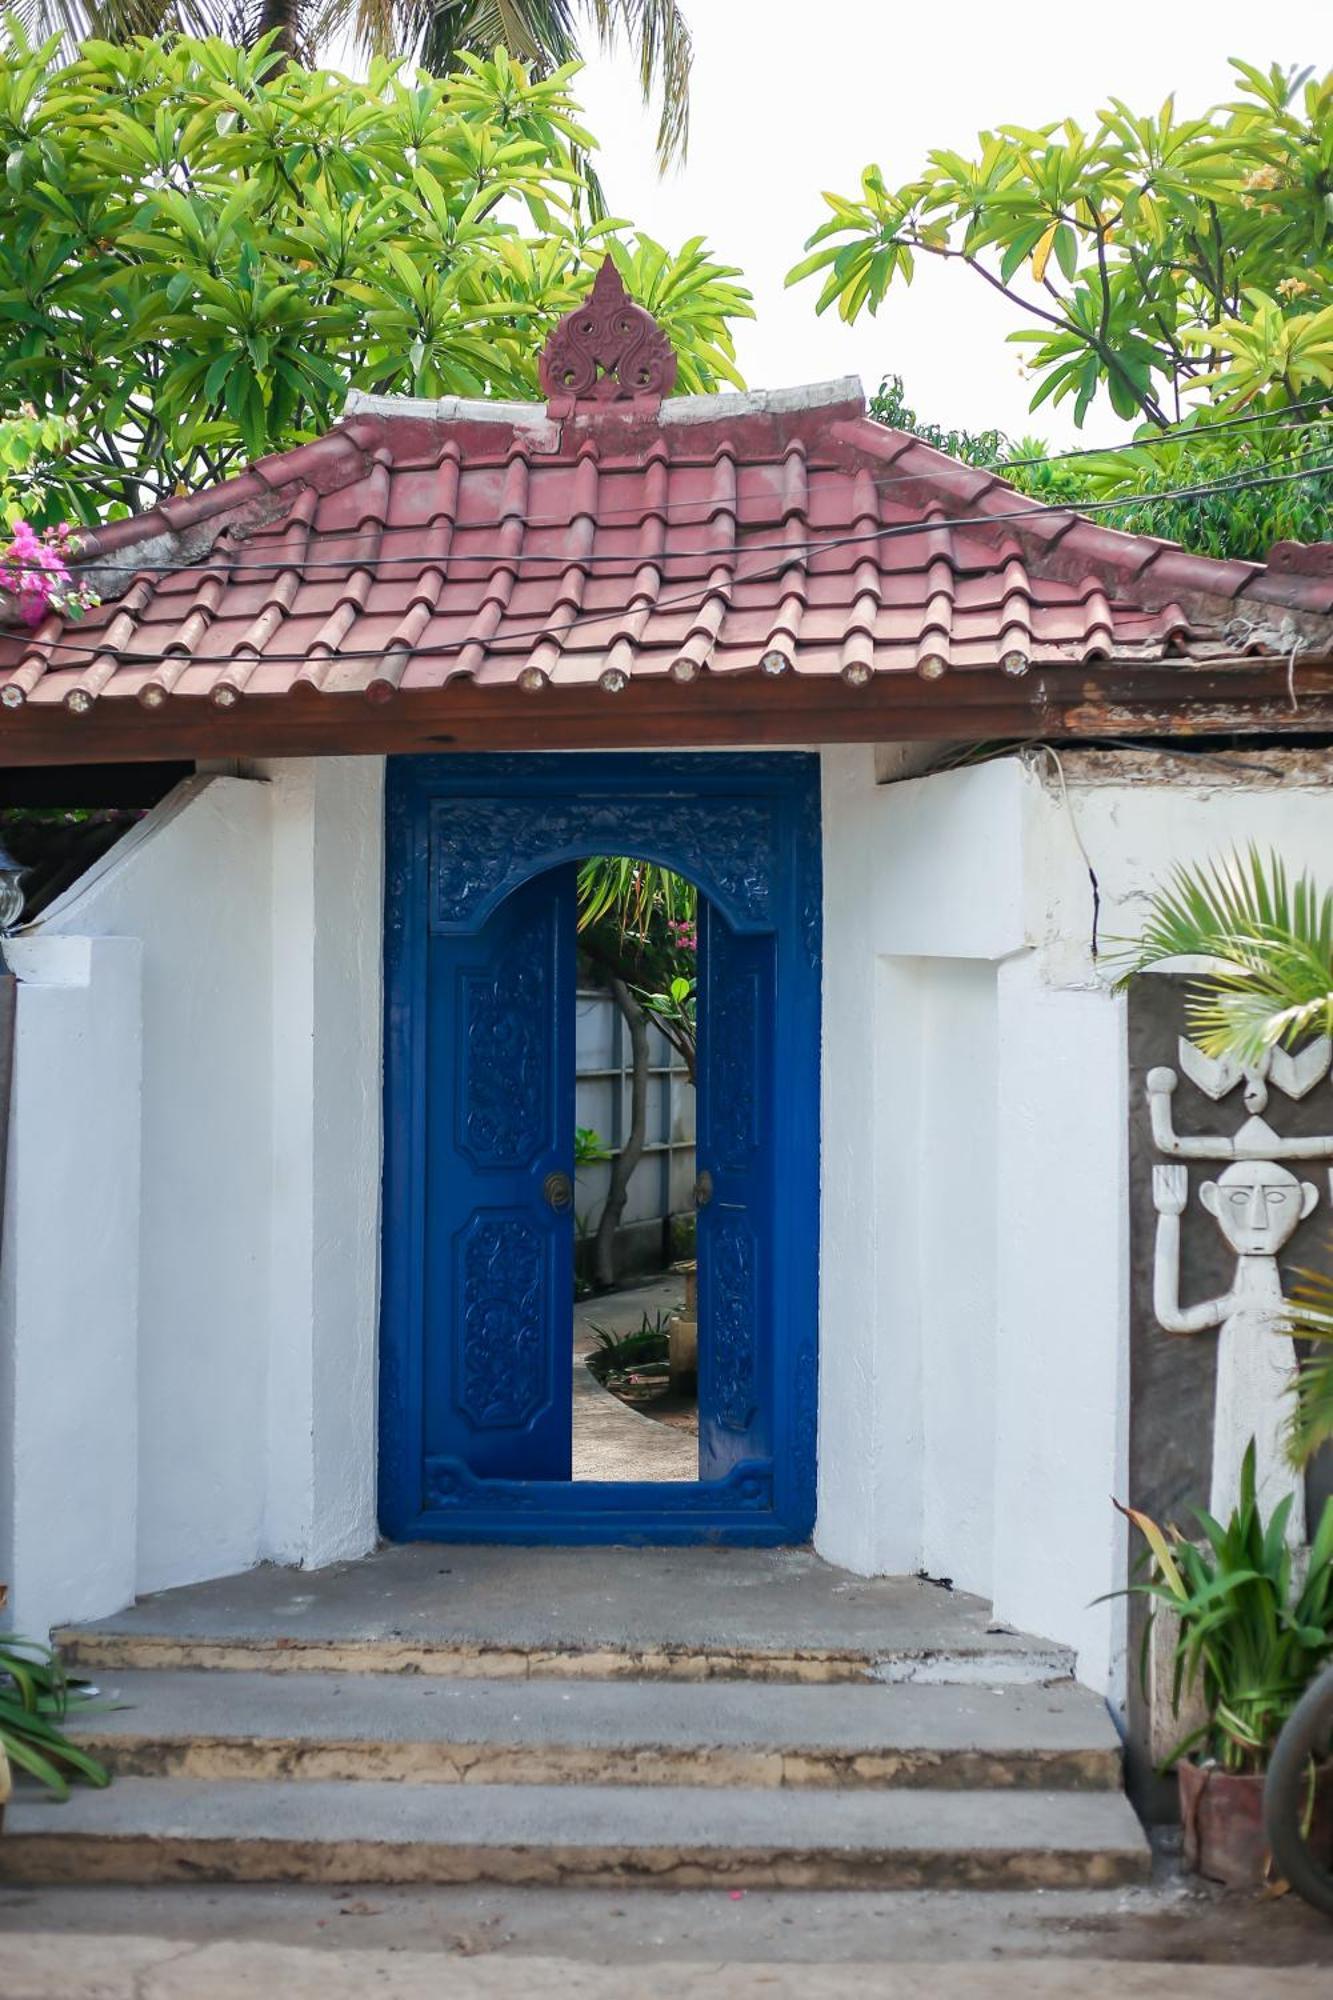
(559, 1191)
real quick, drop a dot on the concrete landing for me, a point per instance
(531, 1612)
(159, 1830)
(1175, 1937)
(422, 1730)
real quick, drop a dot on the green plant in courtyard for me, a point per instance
(637, 934)
(1147, 258)
(36, 1695)
(203, 247)
(588, 1146)
(621, 1353)
(1252, 1633)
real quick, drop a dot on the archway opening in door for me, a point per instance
(635, 1398)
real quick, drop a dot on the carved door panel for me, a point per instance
(734, 1152)
(499, 1225)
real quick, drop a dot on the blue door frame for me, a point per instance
(463, 834)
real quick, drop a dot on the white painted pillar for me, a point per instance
(327, 1007)
(69, 1283)
(1062, 1324)
(870, 1440)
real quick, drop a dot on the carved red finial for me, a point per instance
(608, 350)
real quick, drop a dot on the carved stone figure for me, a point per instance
(1257, 1204)
(1294, 1075)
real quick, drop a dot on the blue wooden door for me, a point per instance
(476, 1353)
(734, 1194)
(499, 1237)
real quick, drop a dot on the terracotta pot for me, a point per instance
(1222, 1813)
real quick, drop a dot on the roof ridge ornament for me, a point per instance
(607, 350)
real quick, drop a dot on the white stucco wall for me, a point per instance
(193, 885)
(198, 1092)
(327, 929)
(974, 1310)
(69, 1277)
(951, 1185)
(197, 1204)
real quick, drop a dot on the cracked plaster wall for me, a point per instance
(975, 1251)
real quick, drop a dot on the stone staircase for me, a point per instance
(448, 1749)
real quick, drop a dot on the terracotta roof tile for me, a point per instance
(413, 545)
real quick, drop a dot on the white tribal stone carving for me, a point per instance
(1257, 1204)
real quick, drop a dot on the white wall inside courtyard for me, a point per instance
(974, 1254)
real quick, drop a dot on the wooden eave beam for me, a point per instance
(1250, 697)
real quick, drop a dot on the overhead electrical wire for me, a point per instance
(250, 563)
(1176, 435)
(689, 601)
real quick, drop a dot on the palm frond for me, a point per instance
(1309, 1318)
(1268, 939)
(122, 20)
(630, 892)
(659, 34)
(544, 34)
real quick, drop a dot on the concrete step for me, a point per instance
(568, 1613)
(90, 1649)
(428, 1731)
(145, 1830)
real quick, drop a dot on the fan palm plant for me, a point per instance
(1269, 943)
(1267, 939)
(544, 34)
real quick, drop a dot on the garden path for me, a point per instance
(612, 1441)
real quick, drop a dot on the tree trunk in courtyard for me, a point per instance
(627, 1159)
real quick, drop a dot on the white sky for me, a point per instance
(790, 99)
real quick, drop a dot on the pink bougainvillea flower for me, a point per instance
(34, 569)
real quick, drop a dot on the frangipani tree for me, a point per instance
(543, 34)
(1151, 258)
(202, 247)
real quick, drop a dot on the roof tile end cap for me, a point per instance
(1301, 559)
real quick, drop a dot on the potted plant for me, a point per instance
(35, 1697)
(1253, 1633)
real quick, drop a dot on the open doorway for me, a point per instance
(635, 1401)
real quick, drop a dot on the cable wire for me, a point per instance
(689, 601)
(1277, 420)
(253, 565)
